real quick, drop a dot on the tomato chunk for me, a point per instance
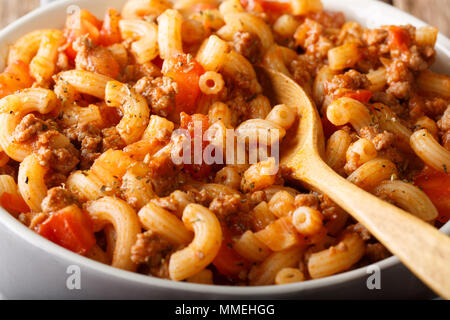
(89, 17)
(110, 31)
(228, 262)
(399, 38)
(13, 203)
(275, 6)
(328, 127)
(198, 171)
(436, 185)
(158, 62)
(78, 25)
(70, 228)
(362, 96)
(188, 122)
(186, 72)
(272, 9)
(15, 77)
(199, 7)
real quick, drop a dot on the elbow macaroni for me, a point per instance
(348, 110)
(169, 33)
(31, 182)
(430, 151)
(135, 109)
(408, 197)
(105, 145)
(337, 258)
(124, 220)
(203, 249)
(145, 34)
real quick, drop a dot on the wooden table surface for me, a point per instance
(435, 12)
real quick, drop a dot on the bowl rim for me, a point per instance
(41, 243)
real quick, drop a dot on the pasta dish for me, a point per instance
(145, 140)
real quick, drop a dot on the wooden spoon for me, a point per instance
(421, 247)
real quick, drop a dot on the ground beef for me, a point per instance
(92, 141)
(249, 45)
(307, 200)
(134, 72)
(444, 122)
(312, 38)
(303, 69)
(374, 37)
(150, 248)
(57, 198)
(414, 59)
(153, 251)
(376, 252)
(159, 92)
(226, 205)
(60, 159)
(239, 106)
(398, 71)
(97, 59)
(361, 230)
(164, 174)
(393, 155)
(231, 210)
(251, 200)
(401, 89)
(29, 128)
(56, 154)
(375, 42)
(89, 139)
(33, 219)
(400, 80)
(320, 48)
(415, 106)
(387, 99)
(351, 80)
(148, 69)
(369, 60)
(352, 162)
(237, 81)
(435, 107)
(444, 125)
(381, 140)
(431, 106)
(239, 223)
(54, 179)
(176, 202)
(429, 53)
(328, 19)
(446, 140)
(62, 62)
(328, 208)
(112, 139)
(351, 33)
(198, 196)
(162, 271)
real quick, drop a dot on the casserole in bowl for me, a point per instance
(101, 281)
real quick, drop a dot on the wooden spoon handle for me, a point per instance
(421, 247)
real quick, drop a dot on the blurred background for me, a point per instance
(435, 12)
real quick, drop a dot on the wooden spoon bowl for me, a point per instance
(421, 247)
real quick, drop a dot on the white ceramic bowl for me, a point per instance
(33, 267)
